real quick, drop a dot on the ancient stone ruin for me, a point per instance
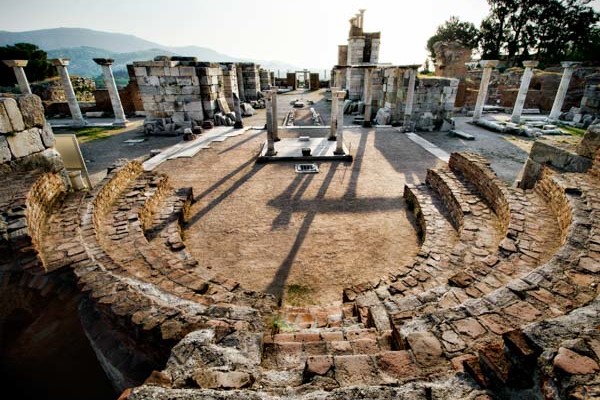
(390, 95)
(501, 299)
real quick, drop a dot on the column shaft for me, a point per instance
(520, 101)
(70, 94)
(410, 95)
(367, 98)
(270, 140)
(488, 66)
(334, 111)
(562, 92)
(339, 143)
(22, 80)
(113, 92)
(274, 115)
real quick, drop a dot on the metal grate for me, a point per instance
(307, 168)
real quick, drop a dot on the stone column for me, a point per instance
(238, 112)
(61, 66)
(17, 66)
(569, 66)
(334, 111)
(525, 80)
(410, 95)
(361, 20)
(339, 143)
(274, 112)
(338, 79)
(113, 92)
(488, 66)
(240, 81)
(368, 98)
(269, 109)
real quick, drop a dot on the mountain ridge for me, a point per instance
(82, 44)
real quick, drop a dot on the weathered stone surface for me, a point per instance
(4, 150)
(590, 143)
(214, 379)
(32, 110)
(398, 365)
(47, 135)
(574, 363)
(25, 143)
(318, 365)
(12, 112)
(355, 370)
(426, 348)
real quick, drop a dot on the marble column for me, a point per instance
(334, 111)
(61, 66)
(368, 98)
(240, 82)
(339, 142)
(410, 95)
(17, 66)
(238, 112)
(269, 109)
(274, 112)
(488, 66)
(113, 92)
(362, 18)
(525, 80)
(569, 66)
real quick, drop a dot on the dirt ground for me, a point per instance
(271, 228)
(306, 236)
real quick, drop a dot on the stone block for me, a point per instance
(356, 370)
(192, 106)
(426, 348)
(157, 71)
(25, 143)
(5, 125)
(47, 135)
(32, 110)
(187, 71)
(140, 71)
(4, 150)
(195, 115)
(184, 81)
(14, 115)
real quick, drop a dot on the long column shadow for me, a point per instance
(356, 166)
(241, 142)
(236, 185)
(224, 179)
(278, 283)
(288, 198)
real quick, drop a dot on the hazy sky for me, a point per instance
(302, 32)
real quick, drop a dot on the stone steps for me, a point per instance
(566, 282)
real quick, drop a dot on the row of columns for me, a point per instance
(489, 65)
(61, 66)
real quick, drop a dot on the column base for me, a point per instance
(270, 153)
(79, 124)
(332, 138)
(515, 120)
(238, 125)
(339, 152)
(120, 123)
(276, 139)
(367, 124)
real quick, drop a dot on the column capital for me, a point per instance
(104, 61)
(15, 63)
(530, 63)
(60, 62)
(569, 64)
(489, 63)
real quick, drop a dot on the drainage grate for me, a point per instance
(307, 168)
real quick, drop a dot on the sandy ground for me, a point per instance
(271, 229)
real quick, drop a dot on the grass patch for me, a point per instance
(299, 295)
(571, 130)
(92, 133)
(278, 324)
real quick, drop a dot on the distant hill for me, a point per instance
(81, 45)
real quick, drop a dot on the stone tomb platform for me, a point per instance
(290, 149)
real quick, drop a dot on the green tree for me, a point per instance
(454, 30)
(548, 30)
(37, 68)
